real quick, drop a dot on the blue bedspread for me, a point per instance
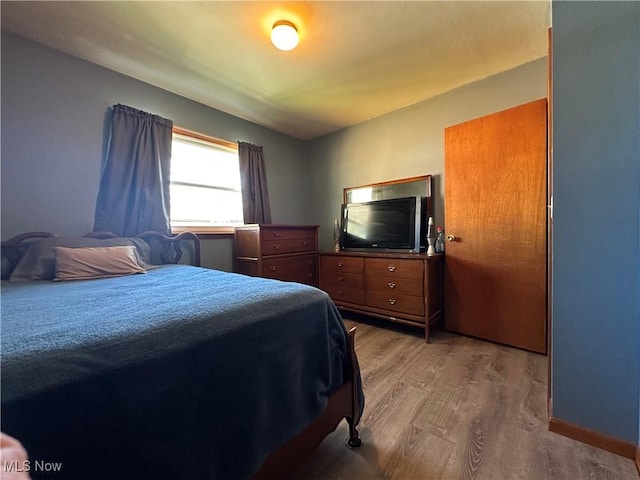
(182, 372)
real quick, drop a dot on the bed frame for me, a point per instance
(343, 403)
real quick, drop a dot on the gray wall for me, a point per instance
(410, 142)
(596, 177)
(54, 124)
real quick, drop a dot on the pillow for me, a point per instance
(38, 261)
(95, 262)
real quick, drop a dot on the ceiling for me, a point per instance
(356, 60)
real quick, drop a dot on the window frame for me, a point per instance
(226, 230)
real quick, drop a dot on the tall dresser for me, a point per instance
(401, 287)
(282, 252)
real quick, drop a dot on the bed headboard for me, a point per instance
(164, 248)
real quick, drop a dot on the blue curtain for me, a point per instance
(134, 188)
(253, 181)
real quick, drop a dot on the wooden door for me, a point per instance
(495, 207)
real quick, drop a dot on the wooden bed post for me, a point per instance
(353, 372)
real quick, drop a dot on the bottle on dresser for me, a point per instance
(439, 244)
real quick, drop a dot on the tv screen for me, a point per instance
(392, 224)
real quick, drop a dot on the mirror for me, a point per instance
(404, 187)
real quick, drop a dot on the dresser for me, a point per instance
(282, 252)
(400, 287)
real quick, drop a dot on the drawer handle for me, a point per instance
(340, 278)
(391, 268)
(272, 268)
(392, 301)
(340, 292)
(339, 264)
(310, 262)
(276, 247)
(276, 234)
(391, 285)
(305, 243)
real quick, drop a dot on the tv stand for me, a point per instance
(400, 287)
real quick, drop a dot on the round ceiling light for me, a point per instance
(284, 35)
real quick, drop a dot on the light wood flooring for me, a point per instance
(456, 408)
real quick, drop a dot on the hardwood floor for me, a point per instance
(457, 408)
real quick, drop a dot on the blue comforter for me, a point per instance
(182, 372)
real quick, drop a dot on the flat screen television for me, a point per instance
(393, 225)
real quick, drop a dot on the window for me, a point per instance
(205, 184)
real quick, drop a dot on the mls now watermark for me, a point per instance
(31, 466)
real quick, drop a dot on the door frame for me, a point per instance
(549, 219)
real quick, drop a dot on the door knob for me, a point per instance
(451, 238)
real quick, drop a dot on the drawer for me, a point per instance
(402, 286)
(392, 267)
(395, 302)
(289, 245)
(280, 233)
(300, 269)
(330, 277)
(341, 264)
(341, 293)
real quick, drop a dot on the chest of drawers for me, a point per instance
(405, 288)
(282, 252)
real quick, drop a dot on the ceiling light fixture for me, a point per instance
(284, 35)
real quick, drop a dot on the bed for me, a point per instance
(174, 372)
